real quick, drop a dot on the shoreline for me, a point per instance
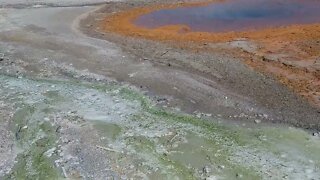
(305, 81)
(205, 63)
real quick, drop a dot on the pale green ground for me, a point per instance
(158, 143)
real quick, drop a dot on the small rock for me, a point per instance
(285, 177)
(239, 175)
(206, 170)
(25, 127)
(264, 58)
(208, 115)
(198, 115)
(283, 155)
(316, 134)
(1, 56)
(257, 121)
(50, 152)
(221, 167)
(132, 75)
(192, 101)
(211, 178)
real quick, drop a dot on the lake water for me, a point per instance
(236, 15)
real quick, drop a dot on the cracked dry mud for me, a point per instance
(76, 107)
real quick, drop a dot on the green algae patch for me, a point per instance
(108, 130)
(32, 163)
(160, 143)
(34, 139)
(229, 149)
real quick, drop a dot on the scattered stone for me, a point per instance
(162, 100)
(316, 134)
(66, 141)
(221, 167)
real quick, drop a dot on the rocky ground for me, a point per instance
(80, 107)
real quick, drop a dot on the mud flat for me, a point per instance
(97, 105)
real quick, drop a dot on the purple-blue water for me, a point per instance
(236, 15)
